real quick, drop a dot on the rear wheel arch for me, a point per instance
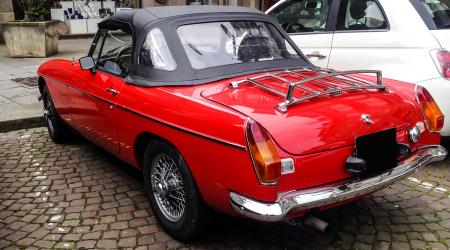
(146, 138)
(143, 140)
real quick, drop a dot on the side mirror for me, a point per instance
(87, 63)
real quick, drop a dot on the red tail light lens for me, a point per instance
(265, 158)
(431, 112)
(442, 61)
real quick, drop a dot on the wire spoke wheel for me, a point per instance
(167, 187)
(171, 189)
(57, 130)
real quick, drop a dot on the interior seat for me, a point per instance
(358, 10)
(253, 48)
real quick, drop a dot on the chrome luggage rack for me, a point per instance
(289, 99)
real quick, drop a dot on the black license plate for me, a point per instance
(379, 150)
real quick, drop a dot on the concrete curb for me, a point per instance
(23, 123)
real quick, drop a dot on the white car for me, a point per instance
(407, 39)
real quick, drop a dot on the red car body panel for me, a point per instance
(206, 124)
(322, 123)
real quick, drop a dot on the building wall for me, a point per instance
(246, 3)
(153, 3)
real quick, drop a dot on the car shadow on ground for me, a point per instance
(445, 141)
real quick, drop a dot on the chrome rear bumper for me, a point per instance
(329, 194)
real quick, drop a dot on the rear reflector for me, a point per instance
(265, 158)
(431, 112)
(287, 166)
(442, 60)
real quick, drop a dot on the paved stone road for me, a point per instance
(78, 196)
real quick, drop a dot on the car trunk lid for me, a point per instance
(318, 124)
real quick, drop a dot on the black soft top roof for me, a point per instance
(138, 18)
(139, 22)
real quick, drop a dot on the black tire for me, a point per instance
(57, 130)
(196, 216)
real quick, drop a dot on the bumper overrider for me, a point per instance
(330, 194)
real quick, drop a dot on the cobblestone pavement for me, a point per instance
(78, 196)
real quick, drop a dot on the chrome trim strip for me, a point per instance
(325, 195)
(238, 146)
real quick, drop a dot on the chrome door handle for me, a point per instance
(316, 54)
(113, 91)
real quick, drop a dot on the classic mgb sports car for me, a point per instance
(222, 112)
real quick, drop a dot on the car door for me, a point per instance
(383, 35)
(362, 29)
(95, 101)
(309, 23)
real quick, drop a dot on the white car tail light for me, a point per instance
(441, 58)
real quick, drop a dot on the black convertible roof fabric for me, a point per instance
(139, 22)
(138, 18)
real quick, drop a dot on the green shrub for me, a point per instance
(35, 10)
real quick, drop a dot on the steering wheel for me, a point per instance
(119, 59)
(295, 28)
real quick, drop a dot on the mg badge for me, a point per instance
(367, 119)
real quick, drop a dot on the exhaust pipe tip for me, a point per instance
(316, 223)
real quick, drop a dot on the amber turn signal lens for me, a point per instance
(265, 158)
(431, 111)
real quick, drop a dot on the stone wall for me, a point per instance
(33, 39)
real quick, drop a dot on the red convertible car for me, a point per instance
(222, 112)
